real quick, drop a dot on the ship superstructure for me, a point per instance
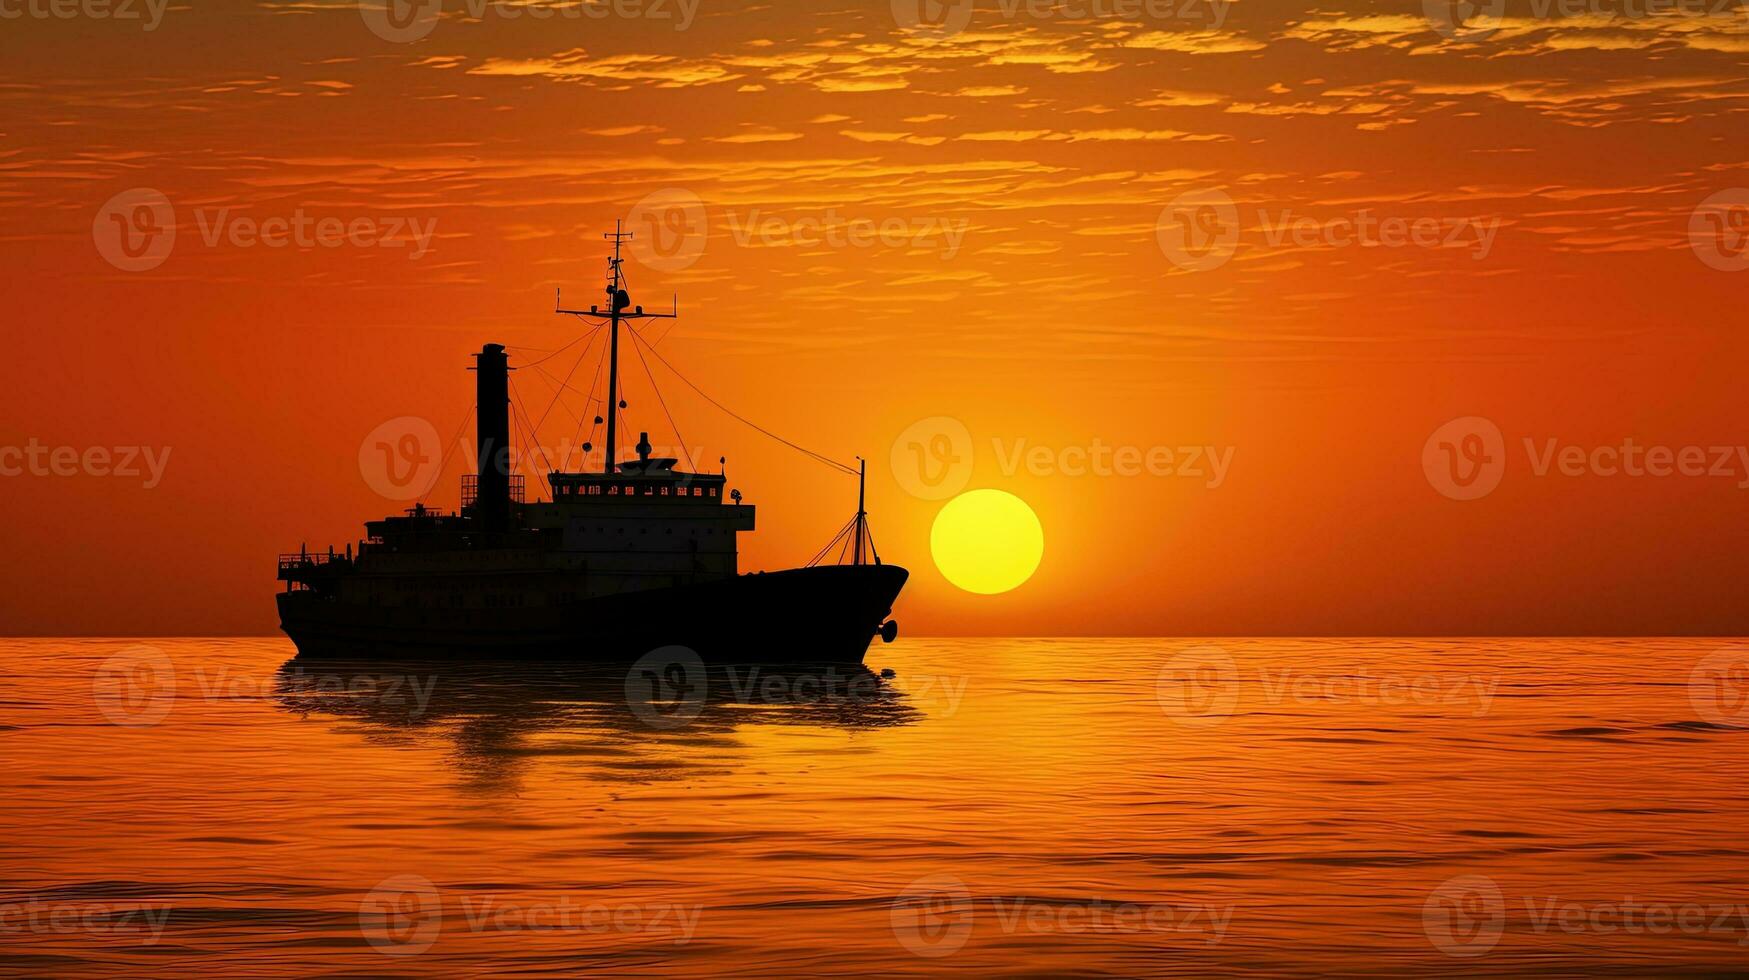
(636, 556)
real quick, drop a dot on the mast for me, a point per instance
(613, 305)
(861, 511)
(618, 303)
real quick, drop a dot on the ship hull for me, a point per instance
(822, 615)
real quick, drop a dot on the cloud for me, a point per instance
(632, 130)
(1194, 42)
(663, 71)
(763, 137)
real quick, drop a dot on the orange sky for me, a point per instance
(1023, 169)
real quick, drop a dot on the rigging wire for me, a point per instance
(587, 333)
(747, 422)
(533, 438)
(823, 552)
(664, 403)
(558, 388)
(565, 383)
(454, 443)
(594, 383)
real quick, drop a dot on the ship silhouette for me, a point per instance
(618, 563)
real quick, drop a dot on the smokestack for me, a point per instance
(492, 437)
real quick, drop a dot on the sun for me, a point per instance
(987, 541)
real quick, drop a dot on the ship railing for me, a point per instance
(471, 489)
(303, 560)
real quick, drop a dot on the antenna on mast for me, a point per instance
(619, 307)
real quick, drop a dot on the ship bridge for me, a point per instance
(646, 480)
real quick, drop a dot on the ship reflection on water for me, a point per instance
(655, 721)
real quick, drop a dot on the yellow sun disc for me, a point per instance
(987, 541)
